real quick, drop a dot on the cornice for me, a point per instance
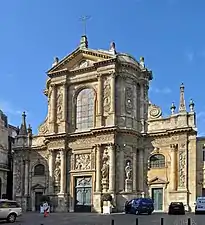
(171, 132)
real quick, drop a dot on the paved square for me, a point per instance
(99, 219)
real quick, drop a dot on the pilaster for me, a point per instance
(141, 169)
(26, 178)
(99, 101)
(134, 176)
(51, 168)
(53, 109)
(63, 171)
(173, 174)
(112, 92)
(112, 168)
(121, 175)
(142, 108)
(98, 168)
(65, 107)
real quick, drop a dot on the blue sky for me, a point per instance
(170, 35)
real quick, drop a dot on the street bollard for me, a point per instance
(137, 222)
(162, 221)
(112, 222)
(189, 221)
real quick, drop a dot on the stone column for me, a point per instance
(141, 170)
(112, 108)
(121, 172)
(98, 169)
(53, 108)
(50, 165)
(173, 173)
(112, 169)
(63, 172)
(26, 177)
(134, 172)
(142, 107)
(14, 179)
(99, 100)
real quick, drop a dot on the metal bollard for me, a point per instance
(112, 222)
(137, 222)
(189, 221)
(162, 221)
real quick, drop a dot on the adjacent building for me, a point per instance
(102, 135)
(7, 135)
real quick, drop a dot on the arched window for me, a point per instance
(85, 109)
(157, 161)
(39, 170)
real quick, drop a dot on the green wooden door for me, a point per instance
(83, 193)
(157, 196)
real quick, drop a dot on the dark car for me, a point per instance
(176, 208)
(139, 206)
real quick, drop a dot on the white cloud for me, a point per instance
(165, 90)
(7, 108)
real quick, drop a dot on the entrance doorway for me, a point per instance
(38, 196)
(83, 194)
(157, 196)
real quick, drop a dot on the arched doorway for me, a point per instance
(0, 186)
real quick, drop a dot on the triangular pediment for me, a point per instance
(38, 186)
(80, 59)
(157, 180)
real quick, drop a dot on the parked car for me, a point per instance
(139, 206)
(200, 205)
(9, 210)
(176, 208)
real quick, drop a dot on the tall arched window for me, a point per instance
(85, 109)
(39, 170)
(157, 161)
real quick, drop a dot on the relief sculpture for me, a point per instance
(107, 95)
(105, 170)
(182, 164)
(18, 176)
(129, 100)
(82, 162)
(59, 105)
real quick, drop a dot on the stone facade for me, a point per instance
(99, 136)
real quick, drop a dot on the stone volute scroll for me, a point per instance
(105, 170)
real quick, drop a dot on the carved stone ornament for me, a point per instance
(17, 174)
(107, 95)
(59, 104)
(129, 99)
(49, 102)
(57, 170)
(56, 144)
(43, 128)
(82, 161)
(182, 168)
(154, 112)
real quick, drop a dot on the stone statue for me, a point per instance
(57, 171)
(128, 171)
(105, 170)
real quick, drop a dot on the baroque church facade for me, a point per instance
(102, 135)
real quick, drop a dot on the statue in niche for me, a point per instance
(105, 170)
(57, 171)
(128, 170)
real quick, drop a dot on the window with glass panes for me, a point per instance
(85, 109)
(157, 161)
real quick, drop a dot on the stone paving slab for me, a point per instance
(99, 219)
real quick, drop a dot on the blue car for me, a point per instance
(139, 206)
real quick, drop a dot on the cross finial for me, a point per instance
(84, 20)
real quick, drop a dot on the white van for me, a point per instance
(200, 205)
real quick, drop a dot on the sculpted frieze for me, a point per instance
(82, 161)
(56, 144)
(164, 140)
(104, 139)
(38, 141)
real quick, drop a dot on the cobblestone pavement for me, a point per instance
(99, 219)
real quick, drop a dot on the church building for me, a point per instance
(102, 135)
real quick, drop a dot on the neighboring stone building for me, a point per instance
(101, 135)
(6, 175)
